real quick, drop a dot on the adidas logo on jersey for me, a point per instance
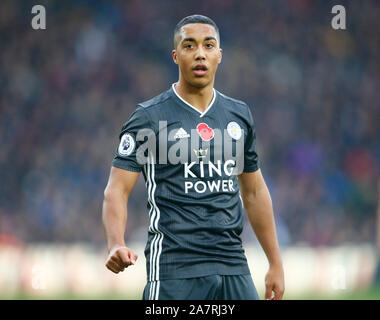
(181, 133)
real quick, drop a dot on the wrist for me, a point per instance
(115, 246)
(275, 263)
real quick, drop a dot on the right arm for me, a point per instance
(116, 194)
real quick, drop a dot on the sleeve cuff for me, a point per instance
(251, 169)
(122, 165)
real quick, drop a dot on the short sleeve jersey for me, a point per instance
(190, 161)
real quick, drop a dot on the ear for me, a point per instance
(174, 55)
(220, 55)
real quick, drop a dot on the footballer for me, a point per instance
(197, 191)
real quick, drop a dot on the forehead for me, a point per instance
(197, 31)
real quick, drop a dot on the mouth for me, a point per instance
(200, 70)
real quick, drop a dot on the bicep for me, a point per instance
(122, 181)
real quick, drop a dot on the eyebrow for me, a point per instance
(193, 40)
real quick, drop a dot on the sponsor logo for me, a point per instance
(196, 146)
(201, 170)
(181, 133)
(201, 153)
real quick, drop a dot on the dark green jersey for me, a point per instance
(194, 203)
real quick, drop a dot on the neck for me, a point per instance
(200, 98)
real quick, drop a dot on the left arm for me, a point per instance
(258, 204)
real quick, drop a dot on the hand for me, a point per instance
(274, 282)
(120, 258)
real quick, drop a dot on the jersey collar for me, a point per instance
(201, 114)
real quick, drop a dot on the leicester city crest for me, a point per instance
(234, 130)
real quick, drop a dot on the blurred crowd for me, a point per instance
(66, 91)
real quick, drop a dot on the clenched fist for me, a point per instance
(120, 258)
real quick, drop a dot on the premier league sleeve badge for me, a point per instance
(127, 145)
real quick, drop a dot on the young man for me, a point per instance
(195, 204)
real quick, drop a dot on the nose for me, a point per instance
(200, 53)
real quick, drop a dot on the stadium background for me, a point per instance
(66, 91)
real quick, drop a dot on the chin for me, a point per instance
(199, 83)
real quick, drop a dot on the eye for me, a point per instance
(209, 45)
(188, 46)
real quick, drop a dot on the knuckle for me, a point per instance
(111, 269)
(115, 259)
(123, 262)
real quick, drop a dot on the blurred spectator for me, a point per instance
(66, 91)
